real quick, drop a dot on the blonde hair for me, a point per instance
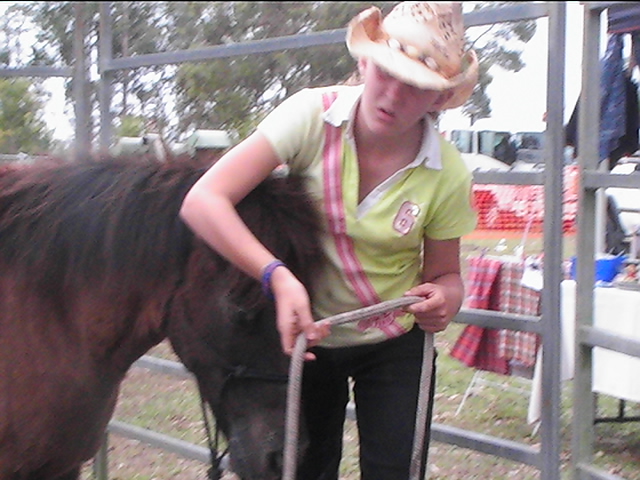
(355, 78)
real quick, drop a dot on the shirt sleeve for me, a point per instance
(456, 214)
(294, 128)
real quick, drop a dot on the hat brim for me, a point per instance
(365, 39)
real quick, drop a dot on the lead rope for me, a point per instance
(422, 409)
(295, 379)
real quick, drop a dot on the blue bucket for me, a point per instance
(606, 267)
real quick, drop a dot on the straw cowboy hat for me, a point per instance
(419, 43)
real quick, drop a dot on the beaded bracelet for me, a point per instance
(267, 271)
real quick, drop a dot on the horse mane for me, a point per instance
(116, 218)
(69, 222)
(282, 214)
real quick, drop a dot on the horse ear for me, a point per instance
(157, 146)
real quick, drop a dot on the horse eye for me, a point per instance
(244, 319)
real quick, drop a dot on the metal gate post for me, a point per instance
(101, 460)
(105, 55)
(82, 140)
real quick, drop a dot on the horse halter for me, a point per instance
(234, 373)
(238, 372)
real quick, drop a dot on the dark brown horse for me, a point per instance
(95, 269)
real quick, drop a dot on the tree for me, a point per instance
(21, 126)
(138, 29)
(130, 126)
(495, 47)
(233, 93)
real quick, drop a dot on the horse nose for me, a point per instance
(263, 460)
(269, 469)
(256, 449)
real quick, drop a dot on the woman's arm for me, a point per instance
(209, 210)
(209, 207)
(442, 286)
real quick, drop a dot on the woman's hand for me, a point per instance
(442, 287)
(432, 314)
(293, 311)
(442, 300)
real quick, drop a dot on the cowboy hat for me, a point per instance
(419, 43)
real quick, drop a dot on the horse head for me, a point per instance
(223, 328)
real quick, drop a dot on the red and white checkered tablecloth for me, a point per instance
(495, 284)
(514, 346)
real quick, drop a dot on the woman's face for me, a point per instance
(390, 106)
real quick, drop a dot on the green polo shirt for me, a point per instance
(374, 248)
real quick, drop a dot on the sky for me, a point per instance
(525, 89)
(58, 115)
(518, 100)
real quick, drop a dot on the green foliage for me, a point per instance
(54, 31)
(21, 126)
(138, 29)
(233, 92)
(130, 126)
(496, 45)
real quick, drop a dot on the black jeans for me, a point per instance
(386, 379)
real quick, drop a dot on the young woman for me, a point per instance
(396, 198)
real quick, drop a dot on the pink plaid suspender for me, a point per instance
(335, 212)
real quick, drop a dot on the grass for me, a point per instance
(172, 407)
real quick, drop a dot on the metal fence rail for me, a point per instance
(149, 437)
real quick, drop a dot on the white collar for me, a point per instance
(343, 110)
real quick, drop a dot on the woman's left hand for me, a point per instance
(432, 314)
